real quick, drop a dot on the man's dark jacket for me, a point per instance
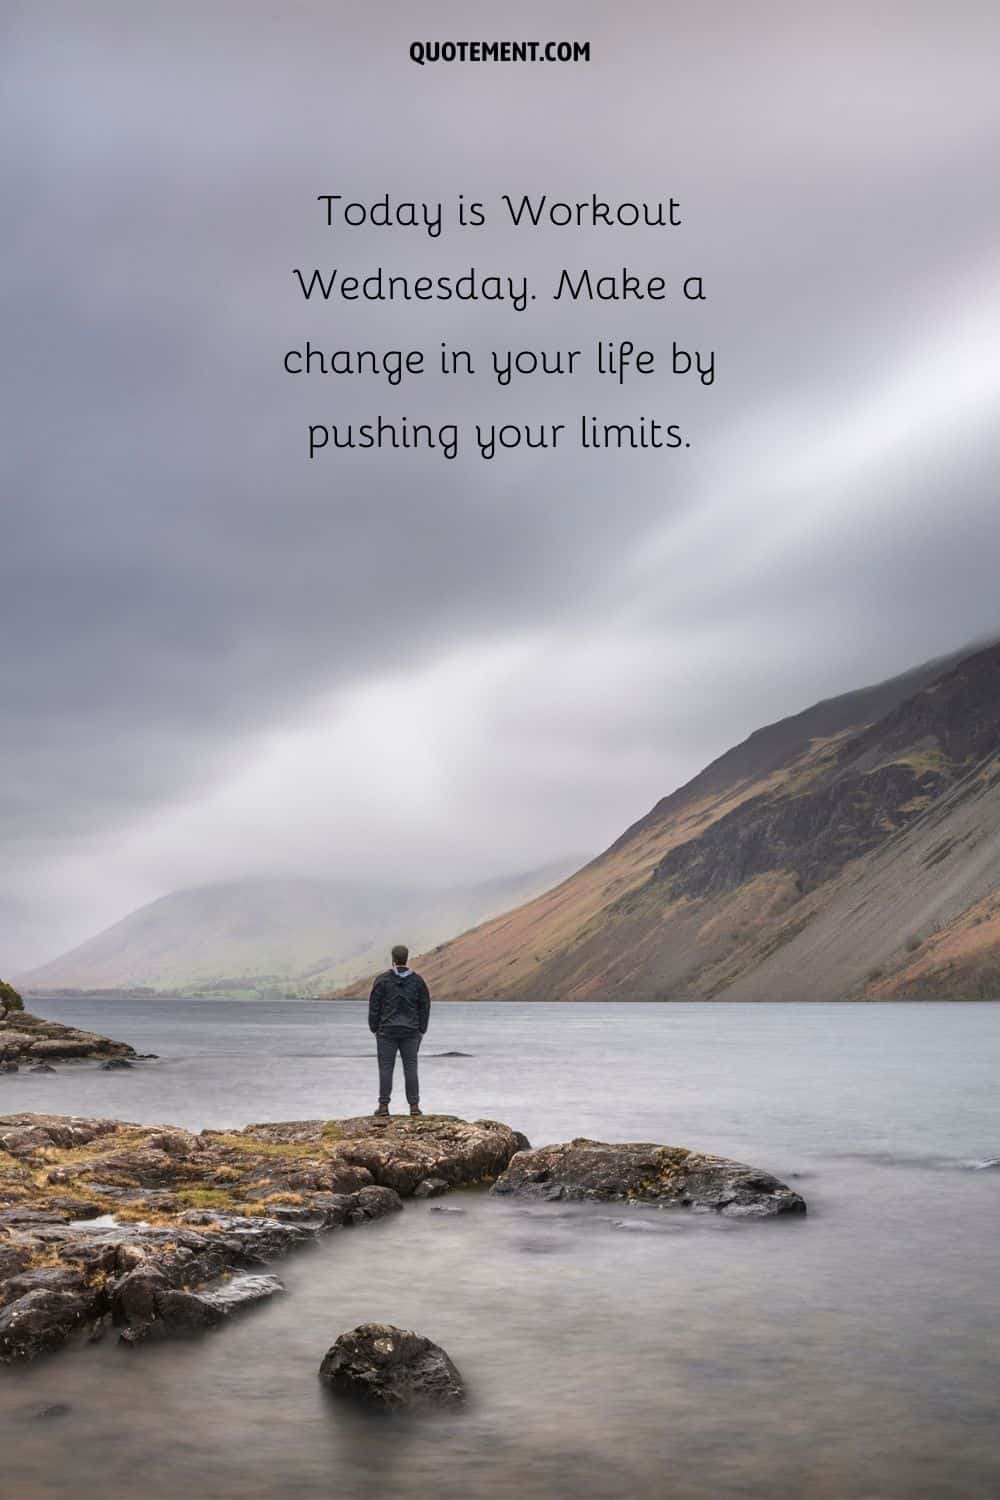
(399, 1004)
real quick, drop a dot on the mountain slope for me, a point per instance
(810, 862)
(273, 937)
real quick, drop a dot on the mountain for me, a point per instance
(851, 850)
(273, 937)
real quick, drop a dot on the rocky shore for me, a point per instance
(28, 1041)
(154, 1230)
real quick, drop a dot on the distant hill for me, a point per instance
(851, 850)
(273, 937)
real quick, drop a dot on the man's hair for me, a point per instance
(400, 953)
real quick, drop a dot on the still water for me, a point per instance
(852, 1355)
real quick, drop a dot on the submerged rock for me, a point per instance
(640, 1172)
(392, 1367)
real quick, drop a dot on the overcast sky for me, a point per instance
(221, 660)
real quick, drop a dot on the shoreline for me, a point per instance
(40, 997)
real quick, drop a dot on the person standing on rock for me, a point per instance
(399, 1009)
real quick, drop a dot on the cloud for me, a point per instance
(219, 657)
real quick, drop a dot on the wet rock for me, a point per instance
(186, 1312)
(114, 1063)
(42, 1067)
(242, 1292)
(453, 1054)
(8, 1066)
(44, 1278)
(41, 1320)
(392, 1367)
(373, 1203)
(166, 1231)
(640, 1172)
(446, 1208)
(431, 1187)
(133, 1299)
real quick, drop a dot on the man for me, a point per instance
(399, 1008)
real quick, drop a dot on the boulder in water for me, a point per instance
(640, 1172)
(391, 1367)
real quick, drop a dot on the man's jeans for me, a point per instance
(408, 1047)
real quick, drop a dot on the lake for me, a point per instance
(850, 1355)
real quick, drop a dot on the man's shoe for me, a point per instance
(415, 1109)
(382, 1112)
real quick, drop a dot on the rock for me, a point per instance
(453, 1054)
(42, 1067)
(13, 1043)
(24, 1217)
(165, 1231)
(177, 1143)
(133, 1298)
(446, 1208)
(8, 1066)
(431, 1187)
(24, 1036)
(392, 1367)
(78, 1208)
(405, 1150)
(41, 1320)
(241, 1292)
(668, 1176)
(64, 1047)
(114, 1063)
(45, 1278)
(186, 1312)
